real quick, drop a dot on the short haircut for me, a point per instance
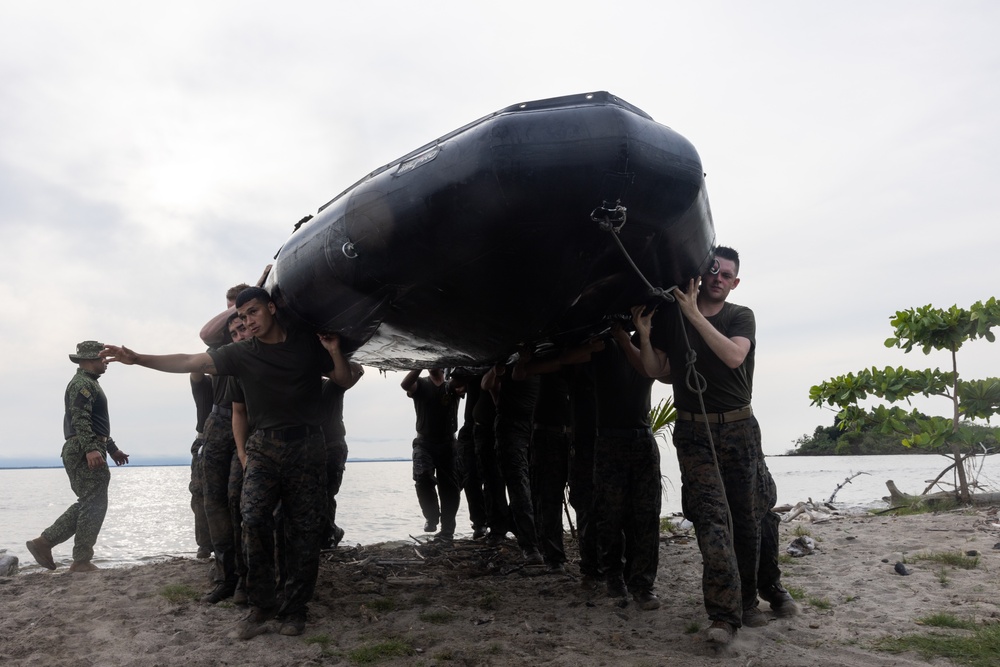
(229, 320)
(251, 293)
(725, 252)
(234, 291)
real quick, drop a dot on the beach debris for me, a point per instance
(901, 569)
(801, 546)
(808, 510)
(899, 499)
(843, 484)
(8, 564)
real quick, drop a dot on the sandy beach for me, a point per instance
(470, 604)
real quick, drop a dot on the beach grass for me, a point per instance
(950, 558)
(369, 654)
(179, 593)
(976, 648)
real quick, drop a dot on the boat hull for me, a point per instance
(490, 237)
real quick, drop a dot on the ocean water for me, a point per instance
(150, 517)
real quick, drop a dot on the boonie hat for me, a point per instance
(88, 349)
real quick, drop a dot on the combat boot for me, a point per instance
(41, 550)
(83, 566)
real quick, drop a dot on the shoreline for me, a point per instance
(473, 604)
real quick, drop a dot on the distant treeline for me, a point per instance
(831, 441)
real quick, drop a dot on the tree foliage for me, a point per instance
(928, 329)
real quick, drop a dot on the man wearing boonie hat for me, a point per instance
(87, 429)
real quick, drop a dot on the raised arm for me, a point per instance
(409, 382)
(345, 373)
(655, 362)
(168, 363)
(732, 351)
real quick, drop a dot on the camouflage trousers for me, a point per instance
(494, 491)
(290, 469)
(219, 461)
(470, 477)
(727, 504)
(435, 474)
(549, 473)
(84, 518)
(627, 499)
(513, 442)
(336, 463)
(201, 535)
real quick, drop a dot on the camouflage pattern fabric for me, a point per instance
(336, 463)
(85, 517)
(202, 536)
(494, 490)
(292, 472)
(513, 441)
(217, 456)
(549, 473)
(627, 497)
(726, 506)
(434, 466)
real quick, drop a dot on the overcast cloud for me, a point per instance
(152, 155)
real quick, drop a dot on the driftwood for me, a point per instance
(899, 499)
(843, 484)
(809, 510)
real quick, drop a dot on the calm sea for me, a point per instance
(150, 516)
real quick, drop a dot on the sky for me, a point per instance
(152, 155)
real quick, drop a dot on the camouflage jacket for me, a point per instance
(86, 417)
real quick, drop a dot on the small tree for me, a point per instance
(929, 329)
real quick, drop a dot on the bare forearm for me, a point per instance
(177, 363)
(731, 351)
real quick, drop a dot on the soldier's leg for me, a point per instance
(472, 481)
(303, 500)
(202, 536)
(512, 451)
(423, 482)
(91, 487)
(610, 493)
(704, 504)
(261, 492)
(549, 473)
(738, 450)
(642, 518)
(449, 488)
(217, 459)
(494, 489)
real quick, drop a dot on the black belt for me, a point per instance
(717, 417)
(225, 412)
(625, 432)
(292, 432)
(553, 429)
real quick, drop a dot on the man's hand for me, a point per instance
(688, 301)
(120, 458)
(95, 460)
(643, 320)
(331, 342)
(122, 354)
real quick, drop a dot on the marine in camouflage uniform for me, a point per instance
(627, 491)
(726, 490)
(201, 390)
(87, 428)
(435, 460)
(284, 456)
